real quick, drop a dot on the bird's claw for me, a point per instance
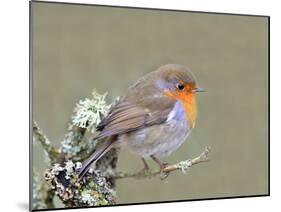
(163, 174)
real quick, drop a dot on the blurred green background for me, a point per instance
(77, 48)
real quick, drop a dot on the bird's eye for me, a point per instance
(180, 86)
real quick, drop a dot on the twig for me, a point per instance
(40, 136)
(183, 166)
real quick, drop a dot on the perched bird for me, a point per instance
(153, 118)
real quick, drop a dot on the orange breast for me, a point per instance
(189, 103)
(191, 110)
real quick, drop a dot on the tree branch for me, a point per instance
(40, 136)
(182, 165)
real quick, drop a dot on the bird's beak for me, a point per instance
(198, 89)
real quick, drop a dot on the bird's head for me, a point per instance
(178, 82)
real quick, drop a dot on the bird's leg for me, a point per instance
(146, 167)
(161, 165)
(163, 175)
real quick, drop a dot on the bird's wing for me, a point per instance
(130, 115)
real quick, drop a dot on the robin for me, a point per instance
(153, 118)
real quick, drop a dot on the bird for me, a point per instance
(153, 118)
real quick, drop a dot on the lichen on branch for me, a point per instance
(88, 113)
(65, 161)
(92, 190)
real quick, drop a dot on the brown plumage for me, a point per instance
(154, 103)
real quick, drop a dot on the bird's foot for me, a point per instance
(163, 174)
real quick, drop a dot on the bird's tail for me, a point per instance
(95, 156)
